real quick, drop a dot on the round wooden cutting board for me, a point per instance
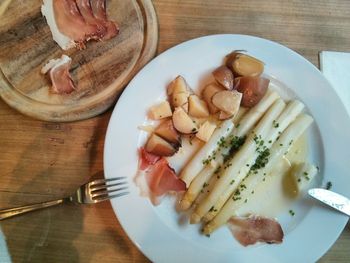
(100, 72)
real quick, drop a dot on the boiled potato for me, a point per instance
(185, 107)
(182, 122)
(205, 131)
(179, 99)
(228, 101)
(167, 131)
(180, 85)
(244, 65)
(232, 56)
(178, 92)
(253, 89)
(159, 146)
(170, 89)
(224, 76)
(160, 111)
(224, 115)
(197, 108)
(208, 93)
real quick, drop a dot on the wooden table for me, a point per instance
(41, 161)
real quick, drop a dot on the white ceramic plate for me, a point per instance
(156, 231)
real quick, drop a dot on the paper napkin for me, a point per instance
(4, 255)
(336, 68)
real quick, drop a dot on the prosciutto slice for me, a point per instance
(253, 229)
(99, 10)
(146, 159)
(74, 22)
(161, 179)
(86, 11)
(71, 23)
(47, 9)
(156, 178)
(58, 70)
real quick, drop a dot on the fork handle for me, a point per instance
(7, 213)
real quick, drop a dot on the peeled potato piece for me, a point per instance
(167, 131)
(205, 131)
(199, 121)
(159, 146)
(185, 107)
(182, 122)
(170, 89)
(179, 85)
(232, 56)
(228, 101)
(178, 92)
(244, 65)
(179, 99)
(197, 107)
(208, 92)
(253, 89)
(160, 111)
(223, 75)
(224, 115)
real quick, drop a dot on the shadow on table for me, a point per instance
(41, 236)
(46, 235)
(53, 164)
(57, 160)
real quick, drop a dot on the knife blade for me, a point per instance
(337, 201)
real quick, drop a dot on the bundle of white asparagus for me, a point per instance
(243, 149)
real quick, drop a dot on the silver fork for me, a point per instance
(93, 192)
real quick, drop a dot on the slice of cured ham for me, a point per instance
(61, 39)
(68, 27)
(58, 70)
(161, 179)
(253, 229)
(156, 178)
(146, 159)
(73, 22)
(86, 11)
(100, 12)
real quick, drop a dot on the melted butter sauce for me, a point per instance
(277, 193)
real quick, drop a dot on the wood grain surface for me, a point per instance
(100, 71)
(41, 161)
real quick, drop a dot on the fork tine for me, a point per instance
(104, 186)
(108, 197)
(101, 193)
(102, 181)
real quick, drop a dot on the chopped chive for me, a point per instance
(329, 185)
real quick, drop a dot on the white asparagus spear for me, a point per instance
(203, 178)
(293, 109)
(303, 173)
(246, 123)
(203, 183)
(287, 138)
(255, 113)
(197, 163)
(239, 115)
(205, 190)
(240, 159)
